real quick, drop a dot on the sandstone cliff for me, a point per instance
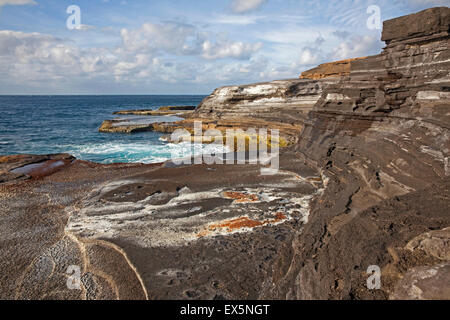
(329, 70)
(285, 100)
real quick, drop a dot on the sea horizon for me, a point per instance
(49, 124)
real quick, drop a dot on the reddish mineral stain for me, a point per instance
(239, 223)
(240, 197)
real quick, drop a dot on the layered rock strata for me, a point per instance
(365, 183)
(283, 100)
(381, 135)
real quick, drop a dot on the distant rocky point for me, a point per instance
(143, 122)
(161, 111)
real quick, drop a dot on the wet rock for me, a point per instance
(20, 167)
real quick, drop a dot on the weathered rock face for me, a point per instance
(432, 22)
(382, 137)
(283, 101)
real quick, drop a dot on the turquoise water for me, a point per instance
(69, 124)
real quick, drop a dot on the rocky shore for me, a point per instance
(364, 180)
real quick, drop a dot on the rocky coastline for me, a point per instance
(364, 180)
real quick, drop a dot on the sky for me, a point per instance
(181, 46)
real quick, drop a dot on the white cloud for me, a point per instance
(36, 57)
(341, 34)
(243, 6)
(16, 2)
(246, 20)
(357, 46)
(166, 53)
(184, 39)
(149, 56)
(309, 56)
(146, 56)
(237, 19)
(295, 34)
(349, 47)
(84, 27)
(229, 49)
(171, 37)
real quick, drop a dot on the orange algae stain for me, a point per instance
(280, 216)
(240, 223)
(240, 197)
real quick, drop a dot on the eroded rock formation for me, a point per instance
(285, 100)
(365, 182)
(382, 136)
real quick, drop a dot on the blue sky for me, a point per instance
(180, 47)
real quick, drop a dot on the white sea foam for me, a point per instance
(138, 152)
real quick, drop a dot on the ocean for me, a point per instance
(69, 124)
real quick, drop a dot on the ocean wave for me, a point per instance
(113, 152)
